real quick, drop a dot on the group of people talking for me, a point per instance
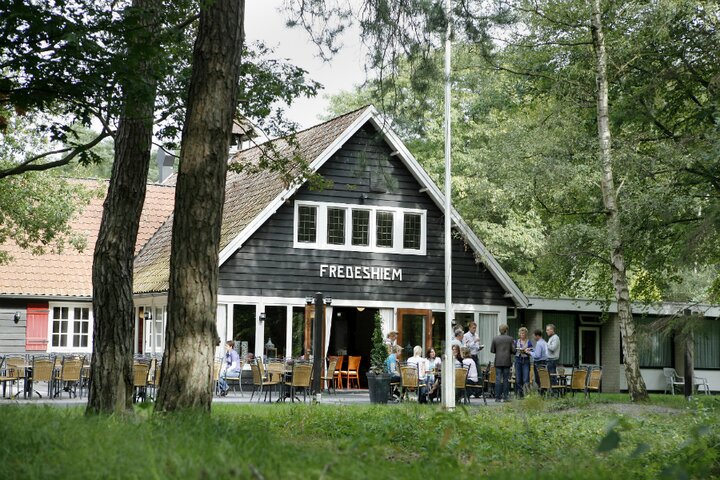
(521, 351)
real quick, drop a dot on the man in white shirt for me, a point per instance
(472, 342)
(553, 350)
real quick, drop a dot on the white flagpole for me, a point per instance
(448, 365)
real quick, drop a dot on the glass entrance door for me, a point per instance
(414, 328)
(589, 345)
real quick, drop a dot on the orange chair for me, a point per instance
(352, 372)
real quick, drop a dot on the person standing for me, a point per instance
(230, 367)
(458, 340)
(553, 348)
(472, 342)
(522, 361)
(503, 346)
(538, 354)
(391, 339)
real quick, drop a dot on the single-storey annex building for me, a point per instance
(371, 240)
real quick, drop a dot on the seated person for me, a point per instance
(230, 367)
(457, 358)
(418, 362)
(249, 359)
(432, 378)
(392, 363)
(469, 363)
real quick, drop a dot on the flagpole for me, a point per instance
(448, 365)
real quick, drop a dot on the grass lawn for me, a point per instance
(534, 438)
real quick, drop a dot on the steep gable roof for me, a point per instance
(251, 199)
(247, 195)
(69, 273)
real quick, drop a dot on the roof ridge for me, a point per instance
(304, 130)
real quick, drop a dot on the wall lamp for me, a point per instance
(16, 317)
(148, 315)
(262, 316)
(309, 300)
(328, 300)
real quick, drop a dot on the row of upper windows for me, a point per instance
(333, 226)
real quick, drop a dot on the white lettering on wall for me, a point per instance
(361, 272)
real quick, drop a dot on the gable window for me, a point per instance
(307, 224)
(71, 328)
(336, 226)
(384, 229)
(360, 228)
(412, 231)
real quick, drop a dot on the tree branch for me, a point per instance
(29, 165)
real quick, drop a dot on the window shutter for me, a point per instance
(36, 327)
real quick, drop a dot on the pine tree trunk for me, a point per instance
(636, 384)
(199, 196)
(112, 273)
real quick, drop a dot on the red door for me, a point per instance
(36, 327)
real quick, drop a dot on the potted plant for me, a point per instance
(378, 379)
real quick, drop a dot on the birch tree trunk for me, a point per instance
(191, 333)
(636, 384)
(689, 370)
(112, 273)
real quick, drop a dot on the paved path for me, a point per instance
(342, 397)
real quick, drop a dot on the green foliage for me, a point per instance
(379, 352)
(354, 441)
(525, 167)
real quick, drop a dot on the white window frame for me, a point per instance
(398, 225)
(71, 327)
(150, 334)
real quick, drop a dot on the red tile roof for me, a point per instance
(69, 273)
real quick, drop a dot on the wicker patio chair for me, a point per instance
(68, 378)
(594, 380)
(140, 380)
(329, 378)
(42, 371)
(461, 385)
(578, 380)
(301, 378)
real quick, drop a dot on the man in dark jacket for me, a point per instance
(503, 347)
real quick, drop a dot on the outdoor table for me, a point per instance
(27, 383)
